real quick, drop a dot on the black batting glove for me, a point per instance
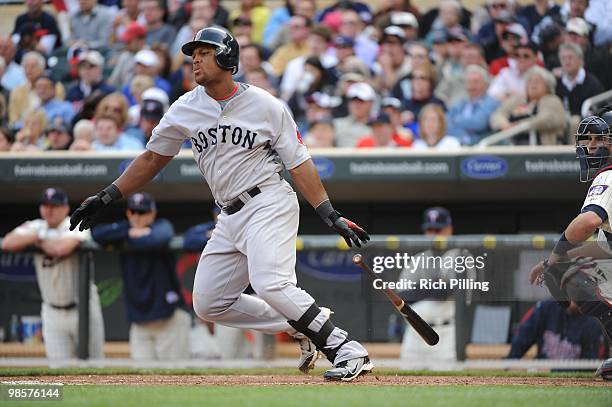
(349, 230)
(86, 215)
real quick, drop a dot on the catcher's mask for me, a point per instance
(593, 143)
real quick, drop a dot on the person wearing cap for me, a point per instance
(435, 306)
(57, 273)
(468, 118)
(450, 86)
(513, 35)
(597, 60)
(153, 12)
(151, 113)
(146, 64)
(45, 23)
(349, 129)
(392, 62)
(13, 74)
(511, 80)
(90, 66)
(501, 13)
(383, 134)
(134, 39)
(58, 137)
(575, 84)
(408, 22)
(393, 108)
(352, 25)
(540, 10)
(44, 87)
(317, 45)
(156, 310)
(92, 24)
(450, 14)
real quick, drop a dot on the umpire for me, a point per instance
(160, 324)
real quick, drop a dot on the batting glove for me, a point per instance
(349, 230)
(89, 211)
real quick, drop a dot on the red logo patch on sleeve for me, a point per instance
(299, 136)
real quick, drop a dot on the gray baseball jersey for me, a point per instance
(236, 147)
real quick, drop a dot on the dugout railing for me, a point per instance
(324, 269)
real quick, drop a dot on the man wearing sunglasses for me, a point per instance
(155, 308)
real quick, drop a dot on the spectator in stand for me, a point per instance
(559, 333)
(422, 83)
(450, 87)
(393, 108)
(84, 133)
(92, 24)
(533, 14)
(23, 97)
(511, 38)
(511, 80)
(30, 136)
(242, 29)
(252, 58)
(321, 134)
(541, 107)
(134, 39)
(600, 12)
(90, 81)
(344, 52)
(57, 273)
(383, 134)
(44, 87)
(203, 12)
(317, 45)
(596, 60)
(468, 119)
(185, 82)
(14, 74)
(146, 64)
(4, 95)
(352, 26)
(433, 20)
(279, 17)
(489, 36)
(165, 64)
(42, 22)
(159, 322)
(139, 85)
(257, 13)
(449, 18)
(304, 8)
(126, 16)
(349, 129)
(150, 115)
(58, 137)
(29, 40)
(433, 130)
(392, 62)
(360, 8)
(299, 30)
(259, 77)
(153, 12)
(6, 139)
(550, 38)
(110, 138)
(116, 105)
(407, 22)
(576, 84)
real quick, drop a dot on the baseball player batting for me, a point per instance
(583, 273)
(241, 137)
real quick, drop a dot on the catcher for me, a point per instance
(583, 272)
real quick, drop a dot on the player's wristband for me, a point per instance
(110, 194)
(563, 246)
(327, 212)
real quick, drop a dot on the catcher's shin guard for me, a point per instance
(583, 290)
(318, 338)
(552, 279)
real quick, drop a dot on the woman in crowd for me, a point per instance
(30, 137)
(432, 130)
(541, 108)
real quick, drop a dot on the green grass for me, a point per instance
(341, 395)
(45, 371)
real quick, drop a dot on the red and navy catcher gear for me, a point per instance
(593, 146)
(226, 47)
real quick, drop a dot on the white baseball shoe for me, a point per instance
(349, 369)
(309, 353)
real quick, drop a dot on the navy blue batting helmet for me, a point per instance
(226, 47)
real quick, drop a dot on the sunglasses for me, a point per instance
(499, 6)
(139, 212)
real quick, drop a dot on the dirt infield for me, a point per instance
(267, 380)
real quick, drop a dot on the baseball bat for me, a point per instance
(427, 333)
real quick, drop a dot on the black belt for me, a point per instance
(238, 203)
(64, 307)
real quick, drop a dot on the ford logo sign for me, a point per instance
(484, 167)
(325, 167)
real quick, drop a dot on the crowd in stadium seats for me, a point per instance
(99, 74)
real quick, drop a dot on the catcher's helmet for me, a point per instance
(226, 53)
(594, 131)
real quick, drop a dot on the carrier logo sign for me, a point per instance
(484, 167)
(597, 190)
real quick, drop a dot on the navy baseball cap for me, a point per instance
(436, 218)
(141, 202)
(54, 196)
(344, 41)
(382, 118)
(152, 110)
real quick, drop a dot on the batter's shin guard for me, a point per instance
(584, 291)
(318, 338)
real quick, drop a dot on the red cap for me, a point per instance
(133, 30)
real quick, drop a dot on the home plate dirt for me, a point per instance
(267, 380)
